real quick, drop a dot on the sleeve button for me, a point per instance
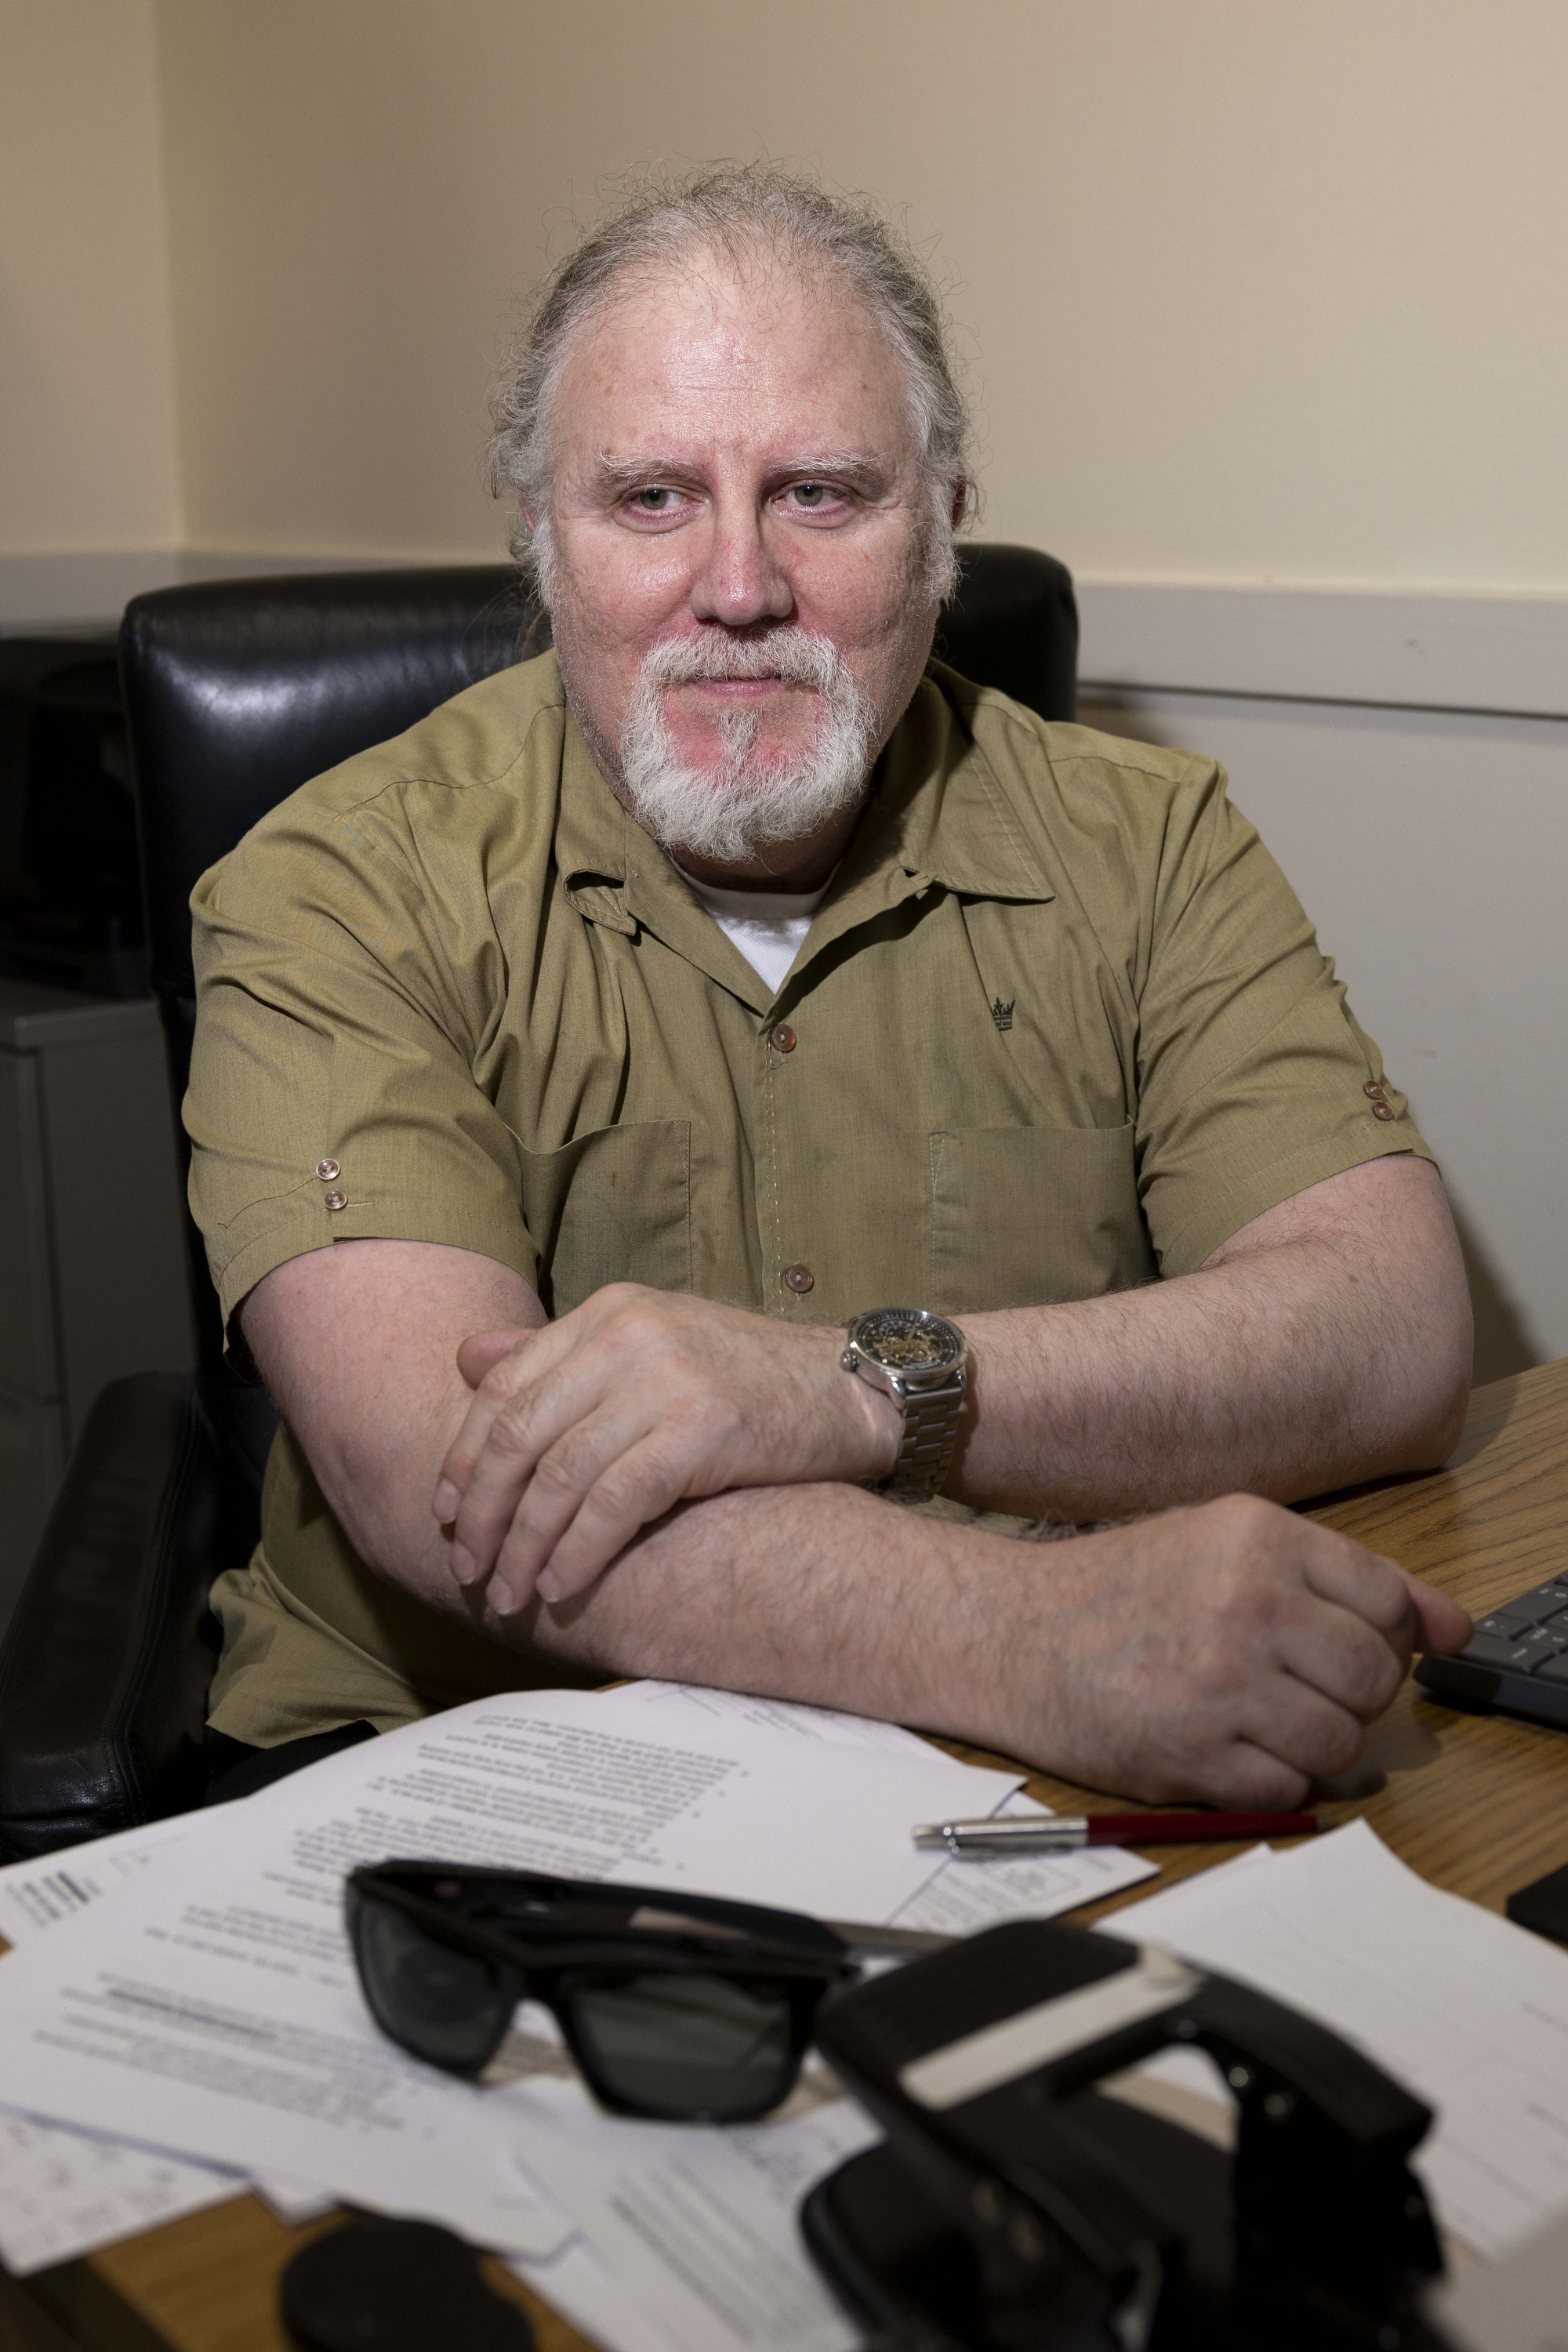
(1381, 1111)
(326, 1169)
(335, 1200)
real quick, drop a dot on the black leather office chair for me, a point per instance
(236, 692)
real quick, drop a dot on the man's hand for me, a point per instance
(1233, 1653)
(582, 1432)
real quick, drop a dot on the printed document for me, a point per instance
(699, 2229)
(209, 2007)
(40, 1892)
(1466, 2010)
(65, 2190)
(956, 1898)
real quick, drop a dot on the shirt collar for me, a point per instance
(620, 877)
(939, 811)
(591, 824)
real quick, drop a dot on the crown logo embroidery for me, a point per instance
(1003, 1013)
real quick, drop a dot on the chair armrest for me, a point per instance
(105, 1671)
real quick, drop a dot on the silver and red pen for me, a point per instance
(1019, 1833)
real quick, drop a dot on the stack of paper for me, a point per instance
(184, 1999)
(1466, 2010)
(181, 2014)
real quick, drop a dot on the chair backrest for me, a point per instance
(238, 691)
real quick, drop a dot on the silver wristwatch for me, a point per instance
(923, 1361)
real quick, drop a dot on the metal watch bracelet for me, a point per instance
(930, 1439)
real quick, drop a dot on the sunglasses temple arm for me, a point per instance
(868, 1943)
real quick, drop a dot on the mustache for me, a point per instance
(798, 656)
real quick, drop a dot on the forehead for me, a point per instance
(710, 356)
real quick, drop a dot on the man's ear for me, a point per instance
(960, 501)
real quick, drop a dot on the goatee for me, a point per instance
(748, 804)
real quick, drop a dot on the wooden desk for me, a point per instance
(1476, 1804)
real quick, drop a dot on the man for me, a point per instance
(572, 1072)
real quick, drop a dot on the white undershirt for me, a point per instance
(767, 926)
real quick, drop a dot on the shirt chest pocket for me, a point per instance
(1029, 1216)
(610, 1206)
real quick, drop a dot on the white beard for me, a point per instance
(731, 812)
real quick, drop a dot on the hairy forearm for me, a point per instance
(820, 1593)
(1329, 1351)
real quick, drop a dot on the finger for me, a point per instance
(524, 1365)
(587, 1458)
(482, 1350)
(1301, 1728)
(458, 1462)
(545, 1450)
(1440, 1623)
(637, 1485)
(1376, 1588)
(1245, 1776)
(452, 1480)
(531, 1360)
(1337, 1654)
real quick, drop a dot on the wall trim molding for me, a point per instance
(1431, 649)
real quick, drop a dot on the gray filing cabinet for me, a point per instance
(93, 1279)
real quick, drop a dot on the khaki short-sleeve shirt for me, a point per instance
(1059, 1027)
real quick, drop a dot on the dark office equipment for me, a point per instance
(92, 1250)
(236, 692)
(70, 897)
(1516, 1662)
(1544, 1906)
(1015, 2207)
(379, 2285)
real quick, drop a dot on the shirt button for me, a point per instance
(326, 1169)
(1382, 1110)
(798, 1278)
(335, 1200)
(1374, 1088)
(782, 1039)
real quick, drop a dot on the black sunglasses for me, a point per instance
(683, 2007)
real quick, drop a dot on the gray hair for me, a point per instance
(737, 210)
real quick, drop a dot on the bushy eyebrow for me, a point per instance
(618, 477)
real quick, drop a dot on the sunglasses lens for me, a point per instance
(448, 2006)
(687, 2046)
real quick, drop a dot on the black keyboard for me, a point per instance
(1517, 1660)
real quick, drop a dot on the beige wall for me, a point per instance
(1256, 291)
(87, 414)
(1253, 292)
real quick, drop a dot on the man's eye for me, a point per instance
(654, 501)
(812, 494)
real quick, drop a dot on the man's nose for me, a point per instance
(740, 580)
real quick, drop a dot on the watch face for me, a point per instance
(909, 1339)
